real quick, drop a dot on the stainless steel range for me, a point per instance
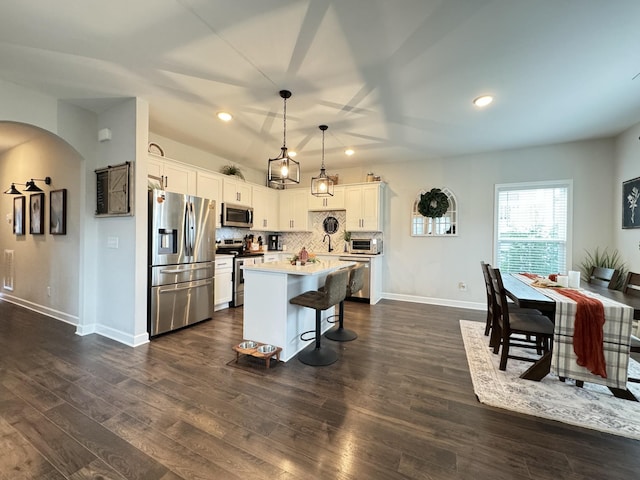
(242, 256)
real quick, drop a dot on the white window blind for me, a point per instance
(532, 225)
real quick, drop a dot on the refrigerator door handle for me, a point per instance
(183, 270)
(189, 285)
(185, 233)
(192, 225)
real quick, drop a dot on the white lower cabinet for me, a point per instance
(223, 285)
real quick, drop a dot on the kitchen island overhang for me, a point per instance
(268, 316)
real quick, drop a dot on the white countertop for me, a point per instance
(285, 267)
(333, 254)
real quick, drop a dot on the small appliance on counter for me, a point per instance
(370, 246)
(275, 242)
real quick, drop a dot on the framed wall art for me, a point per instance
(18, 215)
(58, 212)
(36, 214)
(631, 203)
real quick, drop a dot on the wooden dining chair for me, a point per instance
(510, 326)
(631, 286)
(606, 277)
(491, 310)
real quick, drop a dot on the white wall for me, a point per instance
(429, 269)
(121, 272)
(627, 241)
(42, 261)
(107, 287)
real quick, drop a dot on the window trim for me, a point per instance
(568, 183)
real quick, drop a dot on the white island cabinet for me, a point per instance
(268, 315)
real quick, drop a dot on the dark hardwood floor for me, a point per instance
(398, 404)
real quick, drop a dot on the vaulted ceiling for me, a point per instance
(393, 79)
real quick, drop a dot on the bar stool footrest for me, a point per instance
(307, 333)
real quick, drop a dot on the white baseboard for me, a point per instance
(34, 307)
(434, 301)
(122, 337)
(82, 330)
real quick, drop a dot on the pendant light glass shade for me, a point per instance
(322, 186)
(283, 169)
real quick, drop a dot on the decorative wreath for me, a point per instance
(433, 204)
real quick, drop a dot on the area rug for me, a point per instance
(591, 407)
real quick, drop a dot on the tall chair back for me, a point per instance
(606, 277)
(490, 296)
(631, 284)
(356, 280)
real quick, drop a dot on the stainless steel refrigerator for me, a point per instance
(181, 260)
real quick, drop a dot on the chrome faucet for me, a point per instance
(326, 235)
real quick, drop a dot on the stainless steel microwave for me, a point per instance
(237, 216)
(370, 246)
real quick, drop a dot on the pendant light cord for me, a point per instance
(285, 124)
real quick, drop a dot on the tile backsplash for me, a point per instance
(312, 241)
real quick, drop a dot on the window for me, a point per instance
(532, 232)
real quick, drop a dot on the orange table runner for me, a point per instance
(587, 332)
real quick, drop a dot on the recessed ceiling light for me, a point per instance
(349, 152)
(292, 153)
(224, 116)
(483, 101)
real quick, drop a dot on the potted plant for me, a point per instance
(347, 238)
(232, 170)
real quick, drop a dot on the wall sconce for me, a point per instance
(283, 169)
(31, 186)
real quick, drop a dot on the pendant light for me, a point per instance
(322, 186)
(283, 169)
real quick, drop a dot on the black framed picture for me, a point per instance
(36, 214)
(58, 212)
(18, 215)
(631, 203)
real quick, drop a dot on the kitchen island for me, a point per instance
(268, 315)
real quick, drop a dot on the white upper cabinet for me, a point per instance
(209, 185)
(328, 203)
(265, 208)
(364, 207)
(171, 175)
(236, 191)
(294, 210)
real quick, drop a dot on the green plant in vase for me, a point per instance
(232, 170)
(347, 238)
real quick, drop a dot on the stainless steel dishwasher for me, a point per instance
(365, 293)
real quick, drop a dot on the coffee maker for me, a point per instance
(275, 242)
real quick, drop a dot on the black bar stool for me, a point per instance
(333, 292)
(356, 282)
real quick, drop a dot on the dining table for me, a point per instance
(551, 303)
